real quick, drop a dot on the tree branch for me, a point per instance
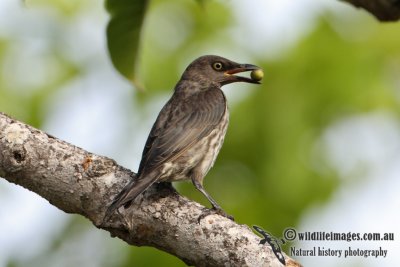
(383, 10)
(77, 181)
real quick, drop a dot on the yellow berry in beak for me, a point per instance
(257, 75)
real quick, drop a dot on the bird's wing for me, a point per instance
(180, 125)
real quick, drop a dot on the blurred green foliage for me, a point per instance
(65, 7)
(28, 102)
(274, 132)
(123, 35)
(271, 168)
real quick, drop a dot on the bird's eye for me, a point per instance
(217, 66)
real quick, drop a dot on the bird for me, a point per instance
(188, 133)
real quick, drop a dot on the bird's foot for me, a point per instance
(212, 211)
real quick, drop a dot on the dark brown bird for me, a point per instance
(189, 131)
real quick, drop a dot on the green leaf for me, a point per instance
(123, 35)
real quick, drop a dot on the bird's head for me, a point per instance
(216, 69)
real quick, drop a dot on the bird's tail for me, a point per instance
(129, 193)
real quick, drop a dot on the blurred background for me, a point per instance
(316, 147)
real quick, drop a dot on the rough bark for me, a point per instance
(77, 181)
(383, 10)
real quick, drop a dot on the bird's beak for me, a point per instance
(241, 68)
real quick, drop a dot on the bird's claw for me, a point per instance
(212, 211)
